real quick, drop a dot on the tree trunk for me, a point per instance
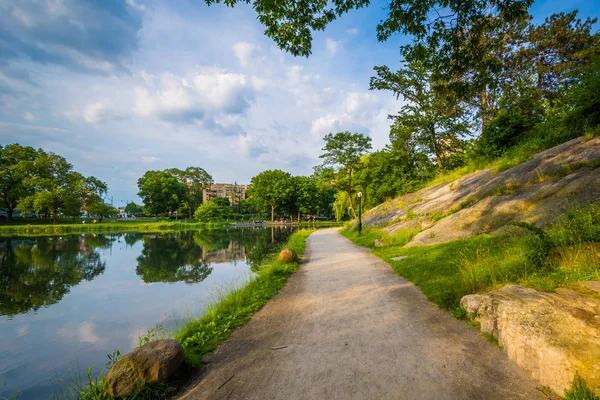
(298, 217)
(272, 214)
(9, 214)
(483, 107)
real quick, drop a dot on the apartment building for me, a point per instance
(235, 192)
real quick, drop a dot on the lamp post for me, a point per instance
(359, 194)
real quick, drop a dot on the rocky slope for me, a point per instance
(486, 201)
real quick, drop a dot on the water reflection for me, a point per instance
(39, 272)
(69, 301)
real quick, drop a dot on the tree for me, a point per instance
(558, 48)
(434, 122)
(217, 209)
(101, 210)
(444, 25)
(16, 165)
(58, 189)
(343, 152)
(161, 192)
(195, 180)
(273, 187)
(133, 208)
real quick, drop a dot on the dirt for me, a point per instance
(345, 326)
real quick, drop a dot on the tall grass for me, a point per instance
(200, 336)
(564, 254)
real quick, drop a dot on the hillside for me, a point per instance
(486, 201)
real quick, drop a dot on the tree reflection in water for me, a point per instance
(39, 272)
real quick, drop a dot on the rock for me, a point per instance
(288, 256)
(378, 243)
(592, 285)
(488, 201)
(153, 362)
(551, 335)
(399, 258)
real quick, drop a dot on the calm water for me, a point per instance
(68, 301)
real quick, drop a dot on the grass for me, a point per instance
(47, 230)
(200, 336)
(369, 235)
(579, 390)
(568, 253)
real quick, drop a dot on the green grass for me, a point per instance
(579, 390)
(129, 226)
(200, 336)
(446, 272)
(368, 236)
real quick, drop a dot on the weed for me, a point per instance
(579, 390)
(152, 334)
(113, 358)
(490, 338)
(200, 336)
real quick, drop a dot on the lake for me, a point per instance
(68, 301)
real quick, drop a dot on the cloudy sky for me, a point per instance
(122, 86)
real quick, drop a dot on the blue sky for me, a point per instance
(122, 86)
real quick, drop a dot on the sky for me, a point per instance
(119, 87)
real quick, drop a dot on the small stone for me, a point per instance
(399, 258)
(152, 363)
(288, 256)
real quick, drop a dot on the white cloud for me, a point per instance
(149, 160)
(333, 46)
(195, 97)
(28, 116)
(244, 51)
(101, 112)
(135, 5)
(352, 31)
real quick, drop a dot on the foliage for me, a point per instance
(448, 271)
(217, 209)
(273, 188)
(133, 208)
(342, 152)
(195, 180)
(161, 192)
(435, 124)
(200, 336)
(579, 390)
(16, 165)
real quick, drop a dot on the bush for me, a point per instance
(502, 133)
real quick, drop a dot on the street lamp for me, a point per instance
(359, 194)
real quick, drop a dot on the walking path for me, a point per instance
(346, 327)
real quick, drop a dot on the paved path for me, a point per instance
(346, 327)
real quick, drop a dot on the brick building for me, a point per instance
(234, 192)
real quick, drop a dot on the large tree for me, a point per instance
(434, 121)
(342, 152)
(57, 187)
(273, 188)
(195, 180)
(16, 165)
(161, 192)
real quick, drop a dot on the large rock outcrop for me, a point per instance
(486, 201)
(152, 363)
(552, 335)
